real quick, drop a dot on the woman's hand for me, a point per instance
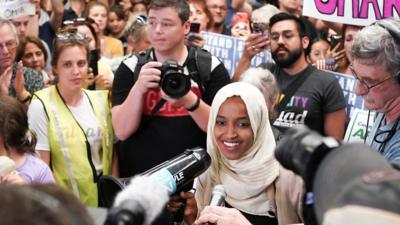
(19, 84)
(103, 82)
(335, 53)
(221, 216)
(12, 178)
(5, 80)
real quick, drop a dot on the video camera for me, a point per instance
(342, 181)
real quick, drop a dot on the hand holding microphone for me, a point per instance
(217, 215)
(173, 176)
(218, 196)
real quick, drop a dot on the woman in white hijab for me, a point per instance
(241, 145)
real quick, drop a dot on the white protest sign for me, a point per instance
(15, 8)
(356, 12)
(357, 129)
(229, 50)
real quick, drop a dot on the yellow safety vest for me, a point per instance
(69, 149)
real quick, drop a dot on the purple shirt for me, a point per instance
(35, 171)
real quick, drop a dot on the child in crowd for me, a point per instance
(18, 143)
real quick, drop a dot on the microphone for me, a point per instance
(139, 203)
(218, 196)
(174, 175)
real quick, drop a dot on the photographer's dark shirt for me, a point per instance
(170, 131)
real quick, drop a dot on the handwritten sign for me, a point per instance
(15, 8)
(229, 49)
(356, 12)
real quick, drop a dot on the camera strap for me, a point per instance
(199, 66)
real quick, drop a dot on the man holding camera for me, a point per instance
(151, 130)
(376, 66)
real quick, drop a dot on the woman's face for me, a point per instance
(139, 9)
(83, 29)
(197, 15)
(241, 30)
(33, 57)
(115, 25)
(72, 67)
(232, 131)
(99, 14)
(318, 51)
(141, 45)
(349, 34)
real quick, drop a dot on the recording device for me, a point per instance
(139, 203)
(338, 175)
(335, 40)
(259, 27)
(194, 28)
(193, 32)
(218, 196)
(94, 57)
(173, 81)
(174, 174)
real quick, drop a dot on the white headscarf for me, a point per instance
(245, 180)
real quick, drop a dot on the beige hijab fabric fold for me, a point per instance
(247, 179)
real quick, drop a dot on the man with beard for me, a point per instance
(317, 99)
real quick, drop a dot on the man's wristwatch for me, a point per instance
(195, 106)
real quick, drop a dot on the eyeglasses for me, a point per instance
(10, 45)
(79, 20)
(286, 35)
(71, 35)
(141, 19)
(363, 83)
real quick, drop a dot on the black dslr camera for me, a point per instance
(337, 175)
(173, 81)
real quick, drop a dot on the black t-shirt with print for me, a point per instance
(319, 94)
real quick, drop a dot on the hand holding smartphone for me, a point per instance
(194, 27)
(259, 28)
(335, 40)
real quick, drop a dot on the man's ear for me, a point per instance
(186, 26)
(305, 41)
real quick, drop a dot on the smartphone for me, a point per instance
(94, 57)
(194, 28)
(259, 27)
(335, 39)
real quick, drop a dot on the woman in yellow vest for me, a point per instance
(73, 125)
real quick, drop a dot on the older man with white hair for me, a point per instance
(15, 80)
(376, 66)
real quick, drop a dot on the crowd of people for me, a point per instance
(85, 92)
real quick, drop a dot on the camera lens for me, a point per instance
(176, 85)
